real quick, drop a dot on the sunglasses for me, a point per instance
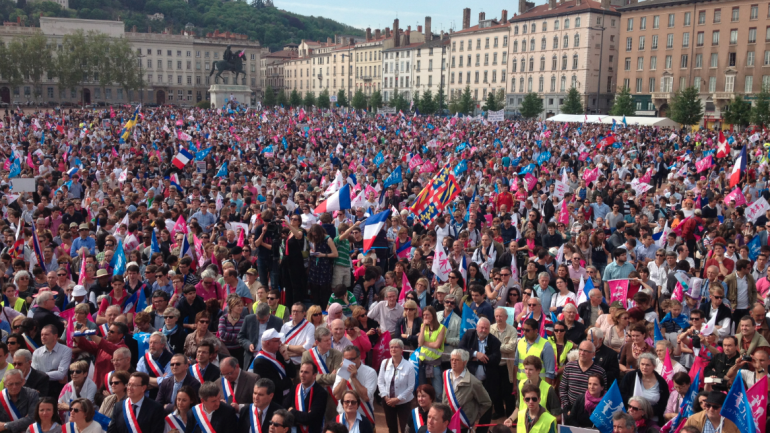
(76, 410)
(634, 408)
(317, 314)
(76, 371)
(271, 299)
(203, 321)
(349, 402)
(711, 406)
(718, 297)
(275, 424)
(115, 383)
(559, 330)
(409, 309)
(532, 305)
(531, 399)
(175, 364)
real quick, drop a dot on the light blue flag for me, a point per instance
(611, 403)
(394, 178)
(527, 169)
(143, 342)
(754, 248)
(543, 157)
(154, 246)
(202, 154)
(470, 319)
(118, 261)
(222, 170)
(415, 360)
(15, 168)
(461, 168)
(379, 159)
(737, 408)
(658, 334)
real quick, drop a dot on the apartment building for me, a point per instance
(405, 59)
(479, 56)
(670, 45)
(560, 45)
(319, 66)
(175, 67)
(271, 66)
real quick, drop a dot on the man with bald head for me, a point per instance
(241, 381)
(485, 356)
(574, 382)
(339, 340)
(590, 310)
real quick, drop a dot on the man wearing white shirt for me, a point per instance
(149, 413)
(299, 333)
(387, 312)
(363, 380)
(52, 359)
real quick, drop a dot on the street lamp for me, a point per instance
(141, 77)
(601, 49)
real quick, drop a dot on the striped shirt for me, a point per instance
(574, 382)
(228, 332)
(343, 251)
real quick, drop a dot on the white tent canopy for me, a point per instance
(631, 121)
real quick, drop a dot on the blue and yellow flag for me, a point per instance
(130, 124)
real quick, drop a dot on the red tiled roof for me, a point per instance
(568, 6)
(283, 54)
(476, 28)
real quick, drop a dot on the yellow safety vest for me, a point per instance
(544, 388)
(543, 424)
(563, 358)
(426, 353)
(279, 312)
(18, 305)
(535, 350)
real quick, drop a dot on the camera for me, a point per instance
(695, 333)
(746, 357)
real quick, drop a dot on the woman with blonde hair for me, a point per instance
(423, 294)
(408, 327)
(79, 386)
(616, 335)
(315, 316)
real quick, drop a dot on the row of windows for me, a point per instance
(713, 61)
(542, 63)
(544, 26)
(495, 41)
(543, 46)
(541, 84)
(478, 77)
(667, 84)
(170, 65)
(169, 53)
(735, 16)
(699, 39)
(503, 56)
(306, 84)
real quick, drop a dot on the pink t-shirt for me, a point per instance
(763, 286)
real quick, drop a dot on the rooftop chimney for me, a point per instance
(406, 35)
(551, 4)
(352, 42)
(578, 2)
(368, 33)
(605, 4)
(377, 33)
(428, 35)
(504, 16)
(466, 18)
(482, 17)
(523, 6)
(328, 41)
(396, 34)
(387, 32)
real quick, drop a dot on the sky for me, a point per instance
(362, 14)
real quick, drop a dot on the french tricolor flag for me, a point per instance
(738, 168)
(174, 180)
(372, 228)
(182, 158)
(340, 200)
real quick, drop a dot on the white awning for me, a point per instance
(630, 120)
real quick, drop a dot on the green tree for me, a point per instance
(738, 112)
(9, 65)
(323, 99)
(34, 59)
(454, 105)
(375, 101)
(282, 99)
(623, 104)
(490, 104)
(427, 103)
(100, 59)
(416, 102)
(359, 100)
(531, 106)
(309, 99)
(269, 99)
(342, 100)
(399, 102)
(573, 103)
(466, 102)
(125, 66)
(760, 113)
(295, 99)
(686, 108)
(440, 99)
(73, 63)
(500, 99)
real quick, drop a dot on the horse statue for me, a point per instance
(232, 62)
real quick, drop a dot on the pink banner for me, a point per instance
(618, 291)
(703, 164)
(530, 180)
(647, 178)
(668, 371)
(591, 175)
(757, 396)
(414, 162)
(583, 156)
(564, 214)
(736, 195)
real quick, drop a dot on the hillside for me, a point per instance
(269, 25)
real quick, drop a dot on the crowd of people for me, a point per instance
(197, 270)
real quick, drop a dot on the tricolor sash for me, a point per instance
(104, 330)
(68, 427)
(8, 405)
(153, 365)
(175, 423)
(322, 369)
(107, 385)
(195, 370)
(203, 420)
(256, 423)
(295, 331)
(273, 361)
(128, 414)
(299, 404)
(31, 345)
(417, 418)
(452, 399)
(35, 428)
(341, 419)
(227, 390)
(366, 406)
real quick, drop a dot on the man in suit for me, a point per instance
(25, 399)
(181, 377)
(262, 396)
(470, 393)
(485, 356)
(324, 357)
(311, 398)
(241, 381)
(204, 368)
(269, 363)
(253, 327)
(439, 416)
(149, 413)
(223, 418)
(33, 379)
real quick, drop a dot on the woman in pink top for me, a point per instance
(209, 288)
(763, 286)
(357, 337)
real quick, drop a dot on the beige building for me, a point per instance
(560, 45)
(478, 56)
(669, 45)
(272, 67)
(175, 67)
(320, 66)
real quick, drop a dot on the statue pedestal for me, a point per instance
(221, 94)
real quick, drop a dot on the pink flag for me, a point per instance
(427, 167)
(703, 164)
(180, 226)
(591, 175)
(618, 290)
(564, 214)
(7, 164)
(199, 250)
(736, 195)
(647, 176)
(414, 162)
(455, 425)
(583, 156)
(678, 292)
(114, 153)
(405, 288)
(757, 396)
(29, 161)
(530, 180)
(82, 277)
(668, 372)
(240, 238)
